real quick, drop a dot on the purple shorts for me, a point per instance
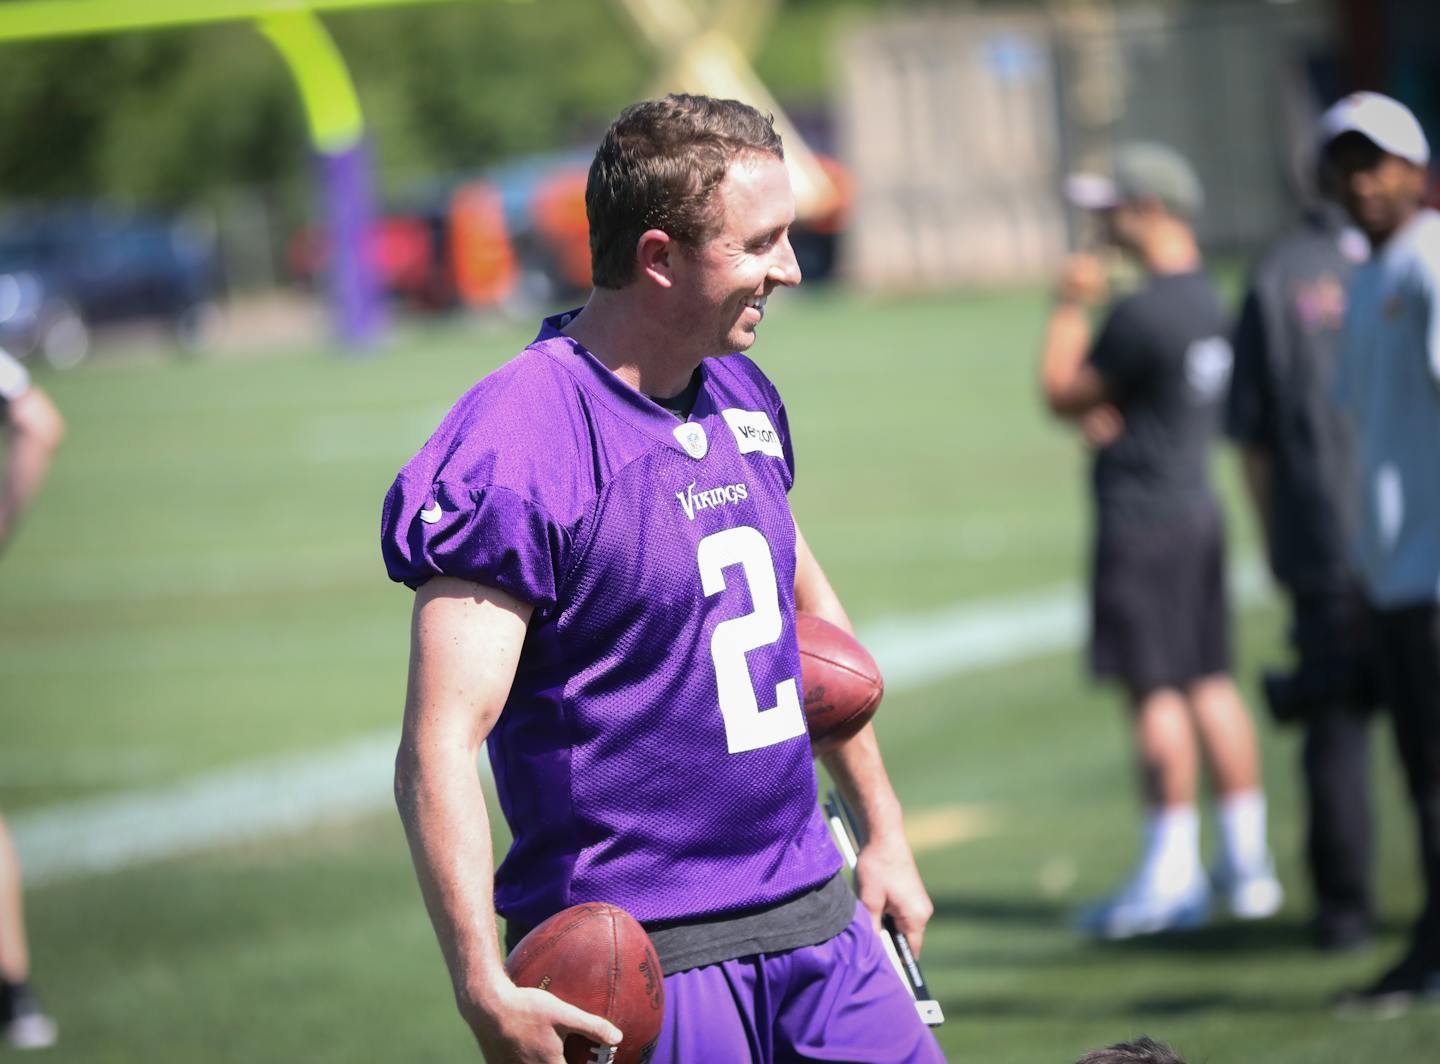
(838, 1001)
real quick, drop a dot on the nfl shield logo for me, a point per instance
(692, 437)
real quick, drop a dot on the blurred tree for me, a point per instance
(795, 59)
(461, 85)
(53, 115)
(173, 116)
(146, 118)
(211, 107)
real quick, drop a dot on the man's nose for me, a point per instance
(1361, 182)
(786, 268)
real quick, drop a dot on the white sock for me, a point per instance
(1242, 832)
(1171, 862)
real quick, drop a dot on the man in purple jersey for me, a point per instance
(607, 573)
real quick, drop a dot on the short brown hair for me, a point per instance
(1143, 1050)
(658, 168)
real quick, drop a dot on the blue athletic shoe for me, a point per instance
(1138, 910)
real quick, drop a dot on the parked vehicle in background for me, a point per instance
(66, 272)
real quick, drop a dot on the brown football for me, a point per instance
(843, 685)
(598, 958)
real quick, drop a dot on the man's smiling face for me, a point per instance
(724, 283)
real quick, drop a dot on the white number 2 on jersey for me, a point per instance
(747, 726)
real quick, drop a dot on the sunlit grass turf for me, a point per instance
(201, 585)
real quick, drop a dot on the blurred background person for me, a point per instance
(33, 429)
(1388, 378)
(1296, 452)
(1147, 390)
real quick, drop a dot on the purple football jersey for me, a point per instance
(652, 752)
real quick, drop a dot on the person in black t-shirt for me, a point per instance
(1146, 393)
(1297, 451)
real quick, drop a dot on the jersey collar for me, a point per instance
(597, 379)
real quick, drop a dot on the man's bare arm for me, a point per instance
(887, 878)
(34, 428)
(465, 644)
(1072, 388)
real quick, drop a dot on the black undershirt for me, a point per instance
(682, 403)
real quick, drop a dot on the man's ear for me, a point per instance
(655, 251)
(1421, 180)
(1151, 208)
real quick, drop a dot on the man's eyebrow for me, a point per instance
(769, 234)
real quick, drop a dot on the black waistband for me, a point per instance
(817, 915)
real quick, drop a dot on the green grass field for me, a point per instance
(200, 588)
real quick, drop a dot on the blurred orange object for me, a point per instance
(482, 254)
(559, 210)
(837, 215)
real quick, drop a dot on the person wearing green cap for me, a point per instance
(1146, 393)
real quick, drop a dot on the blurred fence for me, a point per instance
(959, 127)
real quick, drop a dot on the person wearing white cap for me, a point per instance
(1147, 393)
(1388, 377)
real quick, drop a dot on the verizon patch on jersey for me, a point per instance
(753, 431)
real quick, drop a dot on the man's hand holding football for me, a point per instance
(523, 1025)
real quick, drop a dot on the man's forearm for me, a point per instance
(465, 642)
(859, 771)
(26, 464)
(35, 430)
(442, 807)
(856, 765)
(886, 877)
(1067, 339)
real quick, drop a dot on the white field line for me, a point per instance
(252, 800)
(267, 797)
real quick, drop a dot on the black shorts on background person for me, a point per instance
(1159, 611)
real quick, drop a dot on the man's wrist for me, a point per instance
(884, 823)
(890, 842)
(483, 991)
